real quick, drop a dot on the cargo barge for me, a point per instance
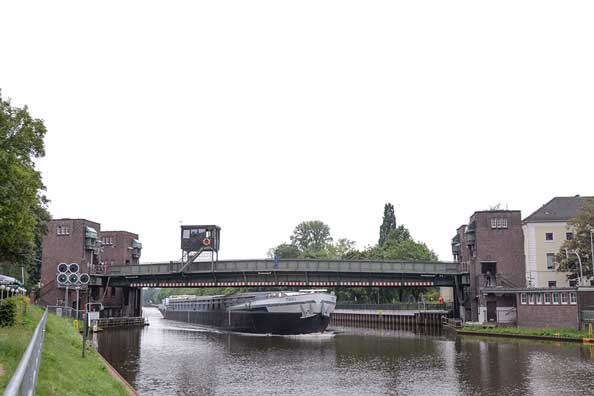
(274, 312)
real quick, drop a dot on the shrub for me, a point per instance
(7, 312)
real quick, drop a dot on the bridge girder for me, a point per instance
(286, 273)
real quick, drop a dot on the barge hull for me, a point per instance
(258, 322)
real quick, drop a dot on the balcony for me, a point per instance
(495, 280)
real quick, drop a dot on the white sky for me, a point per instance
(257, 115)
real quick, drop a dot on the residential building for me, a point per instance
(545, 231)
(490, 247)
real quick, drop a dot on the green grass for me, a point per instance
(14, 339)
(551, 332)
(63, 371)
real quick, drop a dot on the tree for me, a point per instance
(311, 235)
(285, 251)
(388, 223)
(581, 226)
(22, 205)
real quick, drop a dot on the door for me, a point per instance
(491, 311)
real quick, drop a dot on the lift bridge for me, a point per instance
(198, 239)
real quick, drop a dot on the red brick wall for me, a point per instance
(118, 252)
(63, 249)
(504, 246)
(547, 315)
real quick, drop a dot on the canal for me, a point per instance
(175, 358)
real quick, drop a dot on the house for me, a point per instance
(545, 231)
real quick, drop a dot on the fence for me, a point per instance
(417, 306)
(25, 376)
(66, 312)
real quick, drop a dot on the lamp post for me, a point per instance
(592, 247)
(576, 251)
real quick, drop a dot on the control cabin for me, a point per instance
(195, 238)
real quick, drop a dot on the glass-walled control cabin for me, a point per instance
(200, 237)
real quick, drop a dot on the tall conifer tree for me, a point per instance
(388, 223)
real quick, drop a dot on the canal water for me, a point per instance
(176, 358)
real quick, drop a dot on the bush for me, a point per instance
(8, 312)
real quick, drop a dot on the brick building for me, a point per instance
(67, 241)
(559, 307)
(491, 247)
(119, 248)
(82, 241)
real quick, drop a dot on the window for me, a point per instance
(555, 298)
(498, 223)
(63, 230)
(531, 298)
(552, 283)
(522, 298)
(550, 261)
(186, 234)
(539, 298)
(569, 236)
(547, 298)
(549, 236)
(563, 298)
(572, 282)
(572, 298)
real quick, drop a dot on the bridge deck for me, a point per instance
(308, 273)
(305, 265)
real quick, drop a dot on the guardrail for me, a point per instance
(24, 379)
(397, 307)
(66, 312)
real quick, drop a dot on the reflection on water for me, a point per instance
(175, 358)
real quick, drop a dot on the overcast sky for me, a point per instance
(257, 115)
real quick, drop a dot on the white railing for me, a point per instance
(24, 379)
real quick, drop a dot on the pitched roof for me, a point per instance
(557, 209)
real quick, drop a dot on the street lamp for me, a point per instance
(592, 247)
(576, 251)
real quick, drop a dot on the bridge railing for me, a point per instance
(24, 379)
(290, 265)
(416, 306)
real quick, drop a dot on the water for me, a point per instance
(175, 358)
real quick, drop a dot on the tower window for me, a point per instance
(63, 230)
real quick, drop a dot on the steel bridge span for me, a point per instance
(285, 273)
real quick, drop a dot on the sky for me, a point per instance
(257, 115)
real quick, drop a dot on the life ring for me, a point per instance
(206, 242)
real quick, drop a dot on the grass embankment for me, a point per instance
(521, 331)
(63, 371)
